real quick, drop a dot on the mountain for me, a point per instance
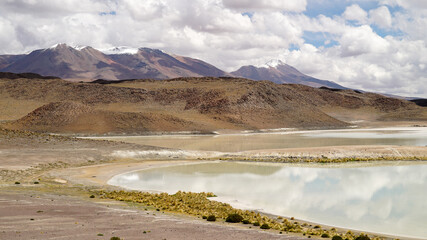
(118, 63)
(154, 63)
(87, 63)
(279, 72)
(6, 60)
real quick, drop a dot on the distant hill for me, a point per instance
(9, 75)
(279, 72)
(420, 102)
(188, 104)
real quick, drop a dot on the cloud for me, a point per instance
(356, 13)
(381, 17)
(409, 4)
(281, 5)
(350, 51)
(361, 40)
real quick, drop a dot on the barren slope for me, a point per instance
(189, 104)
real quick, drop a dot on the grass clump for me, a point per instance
(17, 183)
(211, 218)
(92, 196)
(325, 235)
(336, 237)
(246, 221)
(256, 224)
(265, 226)
(362, 237)
(234, 218)
(115, 238)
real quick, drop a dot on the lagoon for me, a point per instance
(409, 136)
(382, 199)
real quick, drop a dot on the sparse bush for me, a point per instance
(209, 194)
(265, 226)
(246, 221)
(234, 218)
(317, 226)
(17, 183)
(256, 224)
(100, 234)
(115, 238)
(336, 237)
(204, 217)
(92, 196)
(211, 218)
(362, 237)
(325, 235)
(36, 182)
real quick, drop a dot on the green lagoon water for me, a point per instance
(382, 199)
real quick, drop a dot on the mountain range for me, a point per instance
(87, 63)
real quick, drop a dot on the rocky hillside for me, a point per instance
(189, 104)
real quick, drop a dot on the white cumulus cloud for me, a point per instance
(283, 5)
(381, 17)
(232, 33)
(355, 12)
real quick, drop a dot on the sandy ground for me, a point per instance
(46, 216)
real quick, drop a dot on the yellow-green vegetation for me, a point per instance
(198, 204)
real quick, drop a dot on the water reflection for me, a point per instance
(388, 199)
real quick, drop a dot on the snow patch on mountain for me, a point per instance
(120, 50)
(76, 47)
(272, 63)
(79, 47)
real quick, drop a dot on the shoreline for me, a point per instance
(254, 132)
(85, 165)
(120, 168)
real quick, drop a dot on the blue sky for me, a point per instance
(335, 8)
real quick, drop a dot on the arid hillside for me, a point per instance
(187, 104)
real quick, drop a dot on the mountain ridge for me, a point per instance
(87, 63)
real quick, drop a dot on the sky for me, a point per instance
(374, 45)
